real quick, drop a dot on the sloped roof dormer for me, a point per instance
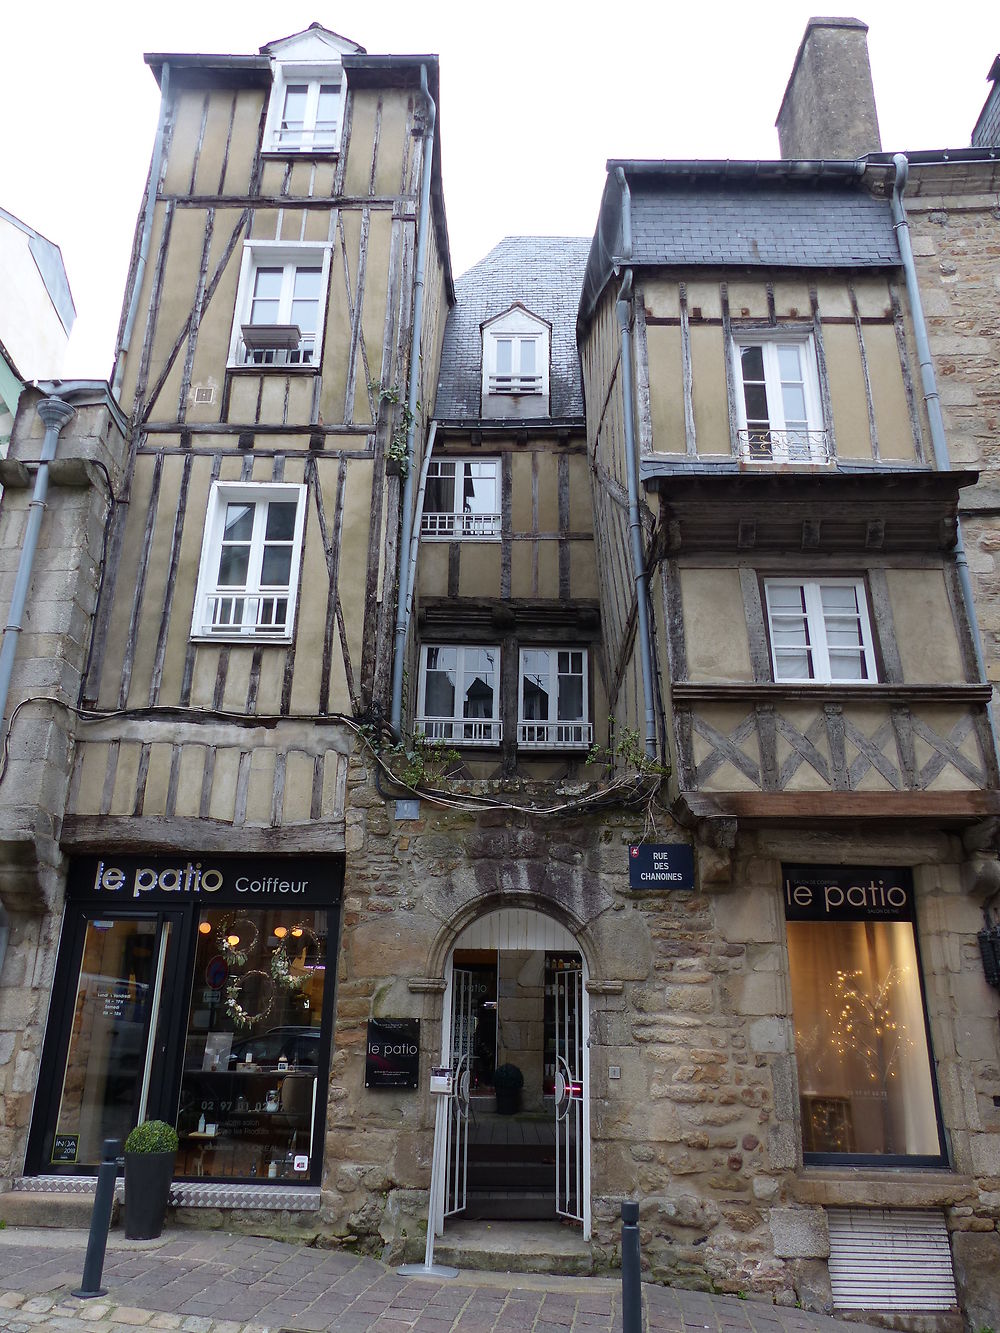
(516, 355)
(306, 108)
(312, 45)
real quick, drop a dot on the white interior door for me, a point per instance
(570, 1093)
(463, 1024)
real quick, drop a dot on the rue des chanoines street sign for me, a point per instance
(661, 865)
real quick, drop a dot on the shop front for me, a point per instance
(197, 991)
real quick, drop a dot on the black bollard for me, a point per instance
(100, 1223)
(631, 1287)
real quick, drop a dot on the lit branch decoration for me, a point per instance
(865, 1026)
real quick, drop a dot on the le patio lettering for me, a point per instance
(871, 896)
(189, 879)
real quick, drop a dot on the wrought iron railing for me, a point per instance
(764, 445)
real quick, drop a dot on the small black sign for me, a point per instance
(661, 865)
(392, 1059)
(65, 1148)
(847, 893)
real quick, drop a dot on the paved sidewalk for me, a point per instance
(211, 1282)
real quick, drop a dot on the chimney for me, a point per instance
(987, 131)
(828, 110)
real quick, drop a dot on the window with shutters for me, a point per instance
(820, 630)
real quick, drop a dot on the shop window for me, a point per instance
(462, 499)
(249, 573)
(778, 402)
(252, 1055)
(280, 306)
(553, 699)
(866, 1086)
(458, 699)
(820, 630)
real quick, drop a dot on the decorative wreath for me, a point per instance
(281, 960)
(243, 1017)
(236, 955)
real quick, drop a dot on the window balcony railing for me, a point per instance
(460, 525)
(554, 735)
(515, 384)
(262, 614)
(460, 730)
(302, 138)
(764, 445)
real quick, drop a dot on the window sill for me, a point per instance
(242, 369)
(881, 1187)
(330, 154)
(864, 691)
(277, 640)
(461, 537)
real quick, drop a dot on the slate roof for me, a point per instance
(544, 273)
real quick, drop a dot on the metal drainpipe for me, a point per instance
(147, 231)
(402, 610)
(622, 310)
(931, 397)
(55, 414)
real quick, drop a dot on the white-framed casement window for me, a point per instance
(552, 709)
(280, 305)
(462, 499)
(307, 112)
(458, 698)
(516, 357)
(820, 630)
(778, 401)
(250, 558)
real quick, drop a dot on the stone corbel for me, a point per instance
(426, 985)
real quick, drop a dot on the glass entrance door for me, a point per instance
(104, 1082)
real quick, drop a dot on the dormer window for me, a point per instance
(516, 365)
(306, 110)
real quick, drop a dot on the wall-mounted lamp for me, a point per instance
(989, 948)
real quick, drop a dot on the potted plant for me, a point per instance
(508, 1082)
(150, 1151)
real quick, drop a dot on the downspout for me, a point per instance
(147, 231)
(406, 529)
(55, 414)
(932, 399)
(623, 311)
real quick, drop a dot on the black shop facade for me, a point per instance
(196, 989)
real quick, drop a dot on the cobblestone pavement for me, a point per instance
(210, 1282)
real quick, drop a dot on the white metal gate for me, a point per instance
(462, 1032)
(569, 1091)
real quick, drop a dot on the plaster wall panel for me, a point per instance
(297, 798)
(548, 570)
(310, 620)
(834, 299)
(520, 509)
(92, 763)
(156, 566)
(134, 543)
(186, 114)
(221, 107)
(872, 295)
(432, 569)
(316, 225)
(205, 674)
(548, 494)
(521, 570)
(581, 508)
(583, 570)
(272, 671)
(925, 627)
(715, 631)
(222, 804)
(891, 411)
(291, 224)
(357, 519)
(271, 179)
(337, 340)
(323, 180)
(805, 776)
(709, 393)
(191, 775)
(243, 146)
(661, 298)
(134, 355)
(480, 569)
(243, 398)
(704, 299)
(373, 311)
(275, 389)
(748, 300)
(260, 791)
(792, 300)
(393, 142)
(264, 224)
(234, 696)
(154, 796)
(301, 182)
(727, 777)
(126, 774)
(847, 391)
(666, 388)
(361, 145)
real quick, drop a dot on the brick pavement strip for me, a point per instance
(210, 1282)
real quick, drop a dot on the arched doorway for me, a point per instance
(516, 996)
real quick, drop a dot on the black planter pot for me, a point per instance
(508, 1100)
(147, 1186)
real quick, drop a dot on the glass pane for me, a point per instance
(440, 494)
(479, 687)
(535, 685)
(234, 563)
(503, 356)
(439, 690)
(107, 1052)
(239, 523)
(794, 402)
(276, 567)
(266, 291)
(752, 363)
(570, 704)
(329, 102)
(280, 521)
(786, 596)
(479, 487)
(248, 1091)
(528, 346)
(295, 104)
(755, 400)
(789, 361)
(860, 1038)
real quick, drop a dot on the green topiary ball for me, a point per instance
(152, 1136)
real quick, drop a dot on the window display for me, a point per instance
(252, 1050)
(865, 1083)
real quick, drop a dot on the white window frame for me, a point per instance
(313, 75)
(456, 524)
(550, 733)
(816, 629)
(237, 613)
(458, 730)
(289, 258)
(518, 326)
(779, 443)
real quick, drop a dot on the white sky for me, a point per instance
(534, 98)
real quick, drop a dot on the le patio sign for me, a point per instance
(663, 865)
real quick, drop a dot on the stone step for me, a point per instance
(503, 1175)
(35, 1208)
(515, 1246)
